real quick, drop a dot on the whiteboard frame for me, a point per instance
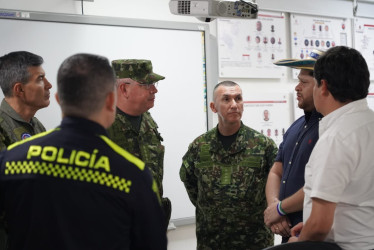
(211, 62)
(211, 65)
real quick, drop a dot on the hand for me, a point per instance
(293, 239)
(296, 230)
(283, 227)
(271, 214)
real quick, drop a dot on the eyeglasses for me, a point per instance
(146, 85)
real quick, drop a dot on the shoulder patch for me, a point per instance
(25, 136)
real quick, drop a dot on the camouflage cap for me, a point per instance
(136, 69)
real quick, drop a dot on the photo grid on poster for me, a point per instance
(248, 48)
(313, 32)
(364, 41)
(268, 113)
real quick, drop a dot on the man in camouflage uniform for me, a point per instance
(26, 90)
(134, 128)
(224, 172)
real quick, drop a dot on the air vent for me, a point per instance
(184, 7)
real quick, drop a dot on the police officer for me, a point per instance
(134, 128)
(224, 172)
(74, 188)
(26, 90)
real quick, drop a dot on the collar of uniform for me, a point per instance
(6, 108)
(118, 111)
(235, 146)
(86, 126)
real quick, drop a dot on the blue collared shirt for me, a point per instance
(294, 151)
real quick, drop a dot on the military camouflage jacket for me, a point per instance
(228, 189)
(145, 144)
(13, 128)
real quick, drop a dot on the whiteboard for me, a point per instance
(248, 48)
(177, 51)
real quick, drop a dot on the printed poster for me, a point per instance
(313, 32)
(248, 48)
(364, 41)
(268, 113)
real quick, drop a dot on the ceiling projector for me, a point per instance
(208, 10)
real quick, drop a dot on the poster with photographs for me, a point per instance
(248, 48)
(298, 112)
(370, 97)
(364, 41)
(313, 32)
(268, 113)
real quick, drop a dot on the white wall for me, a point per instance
(159, 10)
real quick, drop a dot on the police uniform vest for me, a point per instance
(74, 188)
